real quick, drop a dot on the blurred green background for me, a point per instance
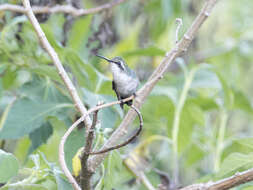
(209, 90)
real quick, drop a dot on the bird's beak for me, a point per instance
(109, 60)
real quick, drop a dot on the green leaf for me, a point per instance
(205, 78)
(46, 70)
(246, 186)
(129, 41)
(40, 136)
(155, 114)
(242, 102)
(196, 113)
(85, 73)
(48, 30)
(235, 162)
(8, 166)
(170, 92)
(62, 183)
(191, 115)
(75, 141)
(8, 34)
(56, 23)
(194, 154)
(51, 169)
(113, 165)
(27, 115)
(248, 142)
(107, 116)
(9, 78)
(43, 90)
(41, 100)
(100, 184)
(79, 32)
(206, 103)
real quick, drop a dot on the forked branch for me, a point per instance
(128, 140)
(68, 132)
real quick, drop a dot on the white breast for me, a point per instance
(125, 85)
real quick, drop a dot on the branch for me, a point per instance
(85, 172)
(44, 42)
(227, 183)
(85, 175)
(142, 94)
(61, 9)
(68, 132)
(128, 140)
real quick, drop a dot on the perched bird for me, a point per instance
(125, 81)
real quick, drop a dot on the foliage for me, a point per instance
(200, 111)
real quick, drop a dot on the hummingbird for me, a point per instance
(125, 81)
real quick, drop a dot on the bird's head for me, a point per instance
(118, 61)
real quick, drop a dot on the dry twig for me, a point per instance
(61, 9)
(179, 23)
(224, 184)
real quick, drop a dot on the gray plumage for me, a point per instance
(125, 81)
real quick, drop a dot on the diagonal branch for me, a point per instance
(142, 94)
(61, 9)
(44, 42)
(224, 184)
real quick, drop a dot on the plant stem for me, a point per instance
(220, 140)
(176, 122)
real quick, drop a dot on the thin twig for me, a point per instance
(41, 35)
(61, 9)
(142, 94)
(68, 132)
(85, 175)
(128, 140)
(179, 23)
(224, 184)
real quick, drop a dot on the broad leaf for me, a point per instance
(8, 166)
(235, 162)
(75, 140)
(41, 100)
(40, 136)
